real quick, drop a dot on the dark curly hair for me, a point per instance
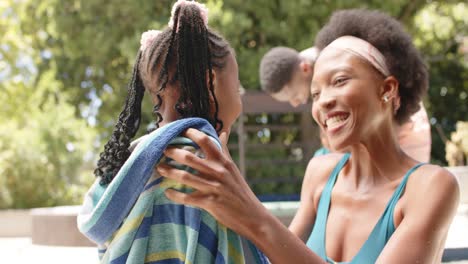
(277, 67)
(186, 54)
(389, 37)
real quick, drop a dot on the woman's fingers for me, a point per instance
(195, 198)
(187, 158)
(179, 197)
(203, 166)
(215, 165)
(204, 142)
(187, 178)
(182, 198)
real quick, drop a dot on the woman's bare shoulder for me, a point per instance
(434, 187)
(434, 178)
(319, 169)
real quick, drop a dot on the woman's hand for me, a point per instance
(223, 192)
(220, 188)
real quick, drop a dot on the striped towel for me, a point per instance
(132, 221)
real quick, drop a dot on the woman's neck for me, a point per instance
(378, 159)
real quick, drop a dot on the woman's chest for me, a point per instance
(351, 219)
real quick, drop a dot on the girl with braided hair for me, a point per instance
(179, 68)
(368, 203)
(191, 75)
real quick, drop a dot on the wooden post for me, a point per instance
(310, 136)
(241, 141)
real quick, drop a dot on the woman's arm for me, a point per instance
(430, 205)
(223, 192)
(316, 175)
(304, 219)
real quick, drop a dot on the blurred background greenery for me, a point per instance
(64, 66)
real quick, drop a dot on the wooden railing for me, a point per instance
(307, 139)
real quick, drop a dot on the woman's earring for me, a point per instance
(385, 98)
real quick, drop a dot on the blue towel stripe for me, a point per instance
(219, 259)
(169, 213)
(153, 183)
(167, 261)
(208, 239)
(120, 260)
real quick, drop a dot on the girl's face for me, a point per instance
(347, 98)
(227, 92)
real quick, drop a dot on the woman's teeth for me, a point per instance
(335, 121)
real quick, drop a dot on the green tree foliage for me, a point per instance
(42, 147)
(43, 144)
(93, 44)
(441, 33)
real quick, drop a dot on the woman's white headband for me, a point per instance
(363, 49)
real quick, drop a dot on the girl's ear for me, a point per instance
(213, 74)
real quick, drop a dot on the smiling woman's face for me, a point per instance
(346, 94)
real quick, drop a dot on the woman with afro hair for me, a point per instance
(374, 204)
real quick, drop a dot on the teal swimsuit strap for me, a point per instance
(399, 191)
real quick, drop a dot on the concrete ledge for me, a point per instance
(285, 211)
(461, 172)
(15, 223)
(57, 226)
(455, 254)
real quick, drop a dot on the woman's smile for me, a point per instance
(335, 121)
